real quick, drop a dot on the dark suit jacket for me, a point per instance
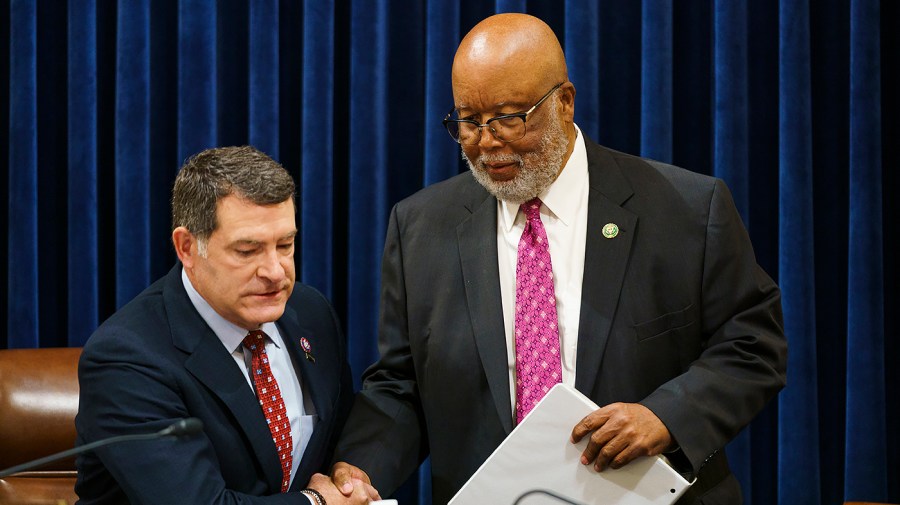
(155, 361)
(675, 314)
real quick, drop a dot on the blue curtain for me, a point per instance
(793, 103)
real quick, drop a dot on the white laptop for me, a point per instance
(538, 465)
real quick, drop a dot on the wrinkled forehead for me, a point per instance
(492, 69)
(488, 87)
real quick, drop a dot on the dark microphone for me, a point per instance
(180, 428)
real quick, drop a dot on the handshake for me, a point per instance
(347, 485)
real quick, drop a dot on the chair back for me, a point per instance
(38, 403)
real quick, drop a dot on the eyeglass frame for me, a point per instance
(480, 126)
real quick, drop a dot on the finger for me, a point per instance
(589, 423)
(596, 442)
(609, 452)
(341, 476)
(363, 492)
(318, 481)
(625, 456)
(371, 493)
(358, 473)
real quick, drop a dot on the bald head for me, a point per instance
(506, 67)
(510, 47)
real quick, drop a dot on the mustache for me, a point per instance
(483, 159)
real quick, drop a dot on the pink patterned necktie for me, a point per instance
(272, 404)
(538, 365)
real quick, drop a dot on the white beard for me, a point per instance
(537, 169)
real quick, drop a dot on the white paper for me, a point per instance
(538, 456)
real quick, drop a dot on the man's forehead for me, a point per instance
(491, 96)
(240, 219)
(253, 239)
(495, 81)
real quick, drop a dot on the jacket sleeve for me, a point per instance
(385, 434)
(743, 360)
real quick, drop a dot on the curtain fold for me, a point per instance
(441, 38)
(263, 69)
(730, 161)
(509, 6)
(82, 169)
(865, 466)
(197, 77)
(619, 74)
(23, 329)
(656, 80)
(791, 102)
(798, 455)
(317, 199)
(132, 151)
(582, 46)
(368, 174)
(830, 32)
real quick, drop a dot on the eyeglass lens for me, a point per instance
(506, 129)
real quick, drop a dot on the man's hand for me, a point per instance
(620, 433)
(343, 475)
(360, 493)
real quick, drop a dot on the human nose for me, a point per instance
(270, 266)
(488, 140)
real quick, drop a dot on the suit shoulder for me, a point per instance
(139, 334)
(657, 182)
(145, 313)
(646, 167)
(305, 296)
(441, 195)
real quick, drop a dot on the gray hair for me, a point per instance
(213, 174)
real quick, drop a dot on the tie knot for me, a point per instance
(255, 341)
(532, 209)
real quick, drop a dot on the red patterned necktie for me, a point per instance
(538, 365)
(272, 404)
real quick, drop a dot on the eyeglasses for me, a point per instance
(506, 128)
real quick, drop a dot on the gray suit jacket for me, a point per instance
(675, 314)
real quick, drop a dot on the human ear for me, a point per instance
(567, 102)
(184, 242)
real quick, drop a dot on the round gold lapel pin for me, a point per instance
(610, 230)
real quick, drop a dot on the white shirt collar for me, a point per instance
(557, 198)
(230, 334)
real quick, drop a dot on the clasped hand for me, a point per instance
(620, 433)
(348, 485)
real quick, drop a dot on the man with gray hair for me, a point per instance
(227, 337)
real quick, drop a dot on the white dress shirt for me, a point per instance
(564, 215)
(299, 408)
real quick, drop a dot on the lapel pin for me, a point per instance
(610, 230)
(307, 349)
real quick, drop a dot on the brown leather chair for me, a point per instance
(38, 403)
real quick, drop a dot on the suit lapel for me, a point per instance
(477, 238)
(315, 384)
(605, 261)
(213, 366)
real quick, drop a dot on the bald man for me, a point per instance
(630, 279)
